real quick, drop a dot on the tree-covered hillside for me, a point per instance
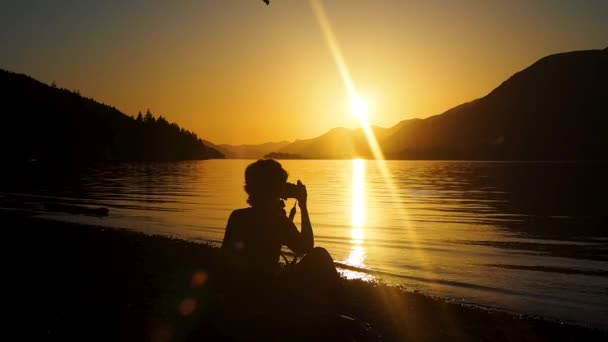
(50, 124)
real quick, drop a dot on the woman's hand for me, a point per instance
(302, 194)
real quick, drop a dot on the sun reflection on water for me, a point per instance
(358, 207)
(356, 259)
(355, 266)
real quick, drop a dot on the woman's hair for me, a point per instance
(264, 181)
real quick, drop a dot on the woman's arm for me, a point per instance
(300, 242)
(308, 239)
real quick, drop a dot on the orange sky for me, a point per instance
(242, 72)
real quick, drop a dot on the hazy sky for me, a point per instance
(243, 72)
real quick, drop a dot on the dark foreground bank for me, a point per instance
(89, 283)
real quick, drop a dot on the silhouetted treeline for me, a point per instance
(47, 123)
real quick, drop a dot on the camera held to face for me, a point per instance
(291, 191)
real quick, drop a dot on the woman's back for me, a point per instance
(252, 243)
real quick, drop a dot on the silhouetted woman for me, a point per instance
(252, 246)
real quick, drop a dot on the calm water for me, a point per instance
(524, 237)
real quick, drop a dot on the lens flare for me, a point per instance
(199, 278)
(187, 306)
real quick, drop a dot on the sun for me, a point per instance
(359, 109)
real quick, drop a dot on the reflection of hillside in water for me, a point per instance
(546, 199)
(553, 208)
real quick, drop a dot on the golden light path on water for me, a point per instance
(358, 213)
(356, 105)
(356, 257)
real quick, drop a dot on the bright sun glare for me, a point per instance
(359, 108)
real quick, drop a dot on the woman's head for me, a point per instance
(264, 181)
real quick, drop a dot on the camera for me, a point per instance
(290, 191)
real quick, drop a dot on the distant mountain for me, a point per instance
(335, 144)
(250, 151)
(340, 143)
(279, 155)
(556, 109)
(46, 123)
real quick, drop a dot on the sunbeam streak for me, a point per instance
(359, 107)
(360, 110)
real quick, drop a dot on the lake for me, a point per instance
(524, 237)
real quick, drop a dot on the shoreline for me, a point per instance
(130, 285)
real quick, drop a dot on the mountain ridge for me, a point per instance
(552, 110)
